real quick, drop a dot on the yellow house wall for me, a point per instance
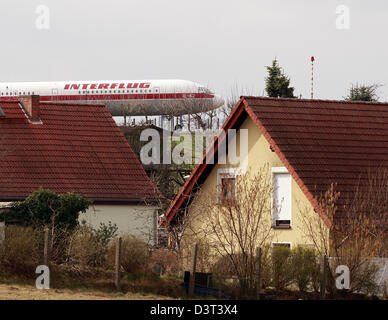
(259, 155)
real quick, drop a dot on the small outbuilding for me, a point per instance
(75, 148)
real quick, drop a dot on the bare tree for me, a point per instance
(231, 100)
(358, 230)
(313, 227)
(236, 219)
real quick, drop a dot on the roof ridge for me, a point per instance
(315, 100)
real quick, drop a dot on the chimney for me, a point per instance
(31, 105)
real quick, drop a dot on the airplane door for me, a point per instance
(157, 93)
(54, 94)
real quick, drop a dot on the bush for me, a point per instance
(22, 249)
(306, 268)
(222, 267)
(88, 247)
(363, 277)
(44, 207)
(282, 269)
(135, 254)
(166, 260)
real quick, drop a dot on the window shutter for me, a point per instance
(281, 198)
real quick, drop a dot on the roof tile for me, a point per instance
(78, 148)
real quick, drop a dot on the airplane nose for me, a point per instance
(218, 101)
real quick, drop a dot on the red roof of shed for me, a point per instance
(319, 141)
(76, 148)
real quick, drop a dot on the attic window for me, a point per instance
(226, 179)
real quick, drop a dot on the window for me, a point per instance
(281, 198)
(226, 181)
(282, 244)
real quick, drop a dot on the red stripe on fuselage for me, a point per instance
(118, 96)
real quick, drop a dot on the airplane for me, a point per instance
(122, 97)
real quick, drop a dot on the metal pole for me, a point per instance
(323, 277)
(118, 263)
(46, 250)
(192, 274)
(258, 273)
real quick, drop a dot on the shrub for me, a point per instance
(222, 267)
(88, 246)
(282, 270)
(266, 266)
(22, 249)
(135, 254)
(306, 268)
(363, 276)
(44, 207)
(166, 260)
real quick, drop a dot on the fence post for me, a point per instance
(258, 273)
(323, 277)
(192, 273)
(46, 249)
(118, 263)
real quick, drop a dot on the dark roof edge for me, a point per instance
(315, 100)
(94, 200)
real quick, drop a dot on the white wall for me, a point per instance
(139, 220)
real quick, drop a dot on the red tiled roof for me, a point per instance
(76, 148)
(319, 141)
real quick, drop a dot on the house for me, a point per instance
(75, 148)
(307, 145)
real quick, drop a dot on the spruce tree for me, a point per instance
(363, 92)
(277, 84)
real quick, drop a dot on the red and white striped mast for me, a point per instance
(312, 77)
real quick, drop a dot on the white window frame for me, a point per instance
(276, 170)
(229, 172)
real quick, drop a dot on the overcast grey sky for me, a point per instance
(220, 43)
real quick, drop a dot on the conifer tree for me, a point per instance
(277, 84)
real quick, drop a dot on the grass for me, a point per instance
(29, 292)
(71, 284)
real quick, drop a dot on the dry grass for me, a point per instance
(25, 292)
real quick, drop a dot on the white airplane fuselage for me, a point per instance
(122, 97)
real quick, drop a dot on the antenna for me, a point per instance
(312, 77)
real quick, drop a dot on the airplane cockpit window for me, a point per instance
(204, 90)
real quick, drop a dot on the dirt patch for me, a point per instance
(24, 292)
